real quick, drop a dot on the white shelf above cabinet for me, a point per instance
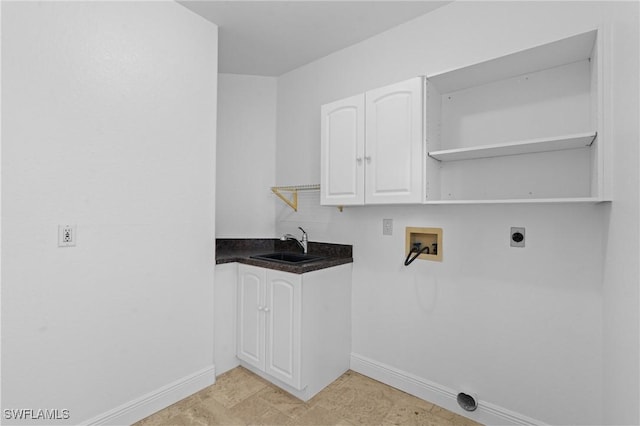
(558, 143)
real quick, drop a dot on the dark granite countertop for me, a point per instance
(239, 250)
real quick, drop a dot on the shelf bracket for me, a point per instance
(293, 203)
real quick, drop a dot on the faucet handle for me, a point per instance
(304, 233)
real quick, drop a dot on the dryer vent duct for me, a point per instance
(467, 402)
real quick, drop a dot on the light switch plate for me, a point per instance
(387, 226)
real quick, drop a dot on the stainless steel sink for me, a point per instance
(291, 258)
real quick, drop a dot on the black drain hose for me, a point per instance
(417, 252)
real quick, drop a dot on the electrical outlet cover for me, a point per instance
(67, 235)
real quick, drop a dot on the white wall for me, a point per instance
(246, 169)
(521, 327)
(621, 292)
(246, 153)
(109, 122)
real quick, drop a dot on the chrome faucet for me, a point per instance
(302, 243)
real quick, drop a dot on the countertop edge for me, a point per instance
(295, 269)
(240, 251)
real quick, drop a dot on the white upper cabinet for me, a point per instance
(372, 147)
(525, 127)
(393, 148)
(342, 151)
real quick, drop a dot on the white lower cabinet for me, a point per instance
(294, 330)
(269, 322)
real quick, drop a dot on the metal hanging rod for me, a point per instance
(315, 187)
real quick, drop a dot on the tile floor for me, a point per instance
(239, 397)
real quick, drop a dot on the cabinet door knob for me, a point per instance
(359, 160)
(368, 158)
(260, 308)
(266, 309)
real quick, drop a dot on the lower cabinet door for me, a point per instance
(251, 318)
(283, 327)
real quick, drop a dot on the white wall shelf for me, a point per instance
(543, 105)
(538, 58)
(557, 143)
(585, 200)
(526, 127)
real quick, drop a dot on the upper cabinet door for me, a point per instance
(393, 157)
(342, 152)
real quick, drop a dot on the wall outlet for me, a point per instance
(516, 237)
(67, 235)
(387, 226)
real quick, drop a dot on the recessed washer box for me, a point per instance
(431, 237)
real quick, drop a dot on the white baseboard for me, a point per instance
(154, 401)
(486, 413)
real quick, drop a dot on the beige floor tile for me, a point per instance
(162, 416)
(359, 401)
(154, 419)
(256, 411)
(239, 397)
(344, 423)
(451, 417)
(413, 401)
(235, 386)
(177, 420)
(464, 421)
(182, 405)
(200, 415)
(346, 376)
(442, 413)
(413, 415)
(332, 387)
(365, 383)
(319, 416)
(215, 413)
(283, 401)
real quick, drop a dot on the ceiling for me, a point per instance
(272, 37)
